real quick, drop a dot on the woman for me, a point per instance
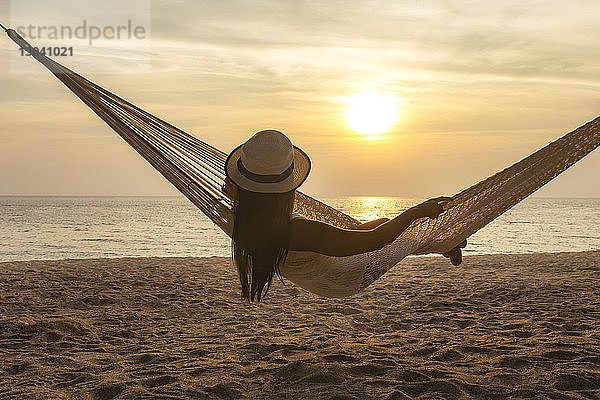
(262, 177)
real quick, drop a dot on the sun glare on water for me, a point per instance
(372, 113)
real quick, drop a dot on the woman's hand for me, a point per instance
(430, 208)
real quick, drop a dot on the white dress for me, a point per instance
(321, 274)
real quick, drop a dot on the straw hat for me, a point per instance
(268, 163)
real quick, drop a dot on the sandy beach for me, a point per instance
(498, 326)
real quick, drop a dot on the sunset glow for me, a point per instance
(372, 112)
(406, 99)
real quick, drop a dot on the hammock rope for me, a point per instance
(196, 169)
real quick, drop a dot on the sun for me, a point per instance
(372, 112)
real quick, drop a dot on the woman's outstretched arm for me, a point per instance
(371, 224)
(309, 235)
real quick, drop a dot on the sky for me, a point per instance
(479, 86)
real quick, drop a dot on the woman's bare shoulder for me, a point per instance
(304, 233)
(323, 238)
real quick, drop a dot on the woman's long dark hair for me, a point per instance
(261, 236)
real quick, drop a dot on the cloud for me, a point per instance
(481, 83)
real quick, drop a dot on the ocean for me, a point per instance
(33, 228)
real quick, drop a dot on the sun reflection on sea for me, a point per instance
(372, 208)
(366, 208)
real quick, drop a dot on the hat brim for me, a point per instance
(298, 176)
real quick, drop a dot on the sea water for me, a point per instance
(92, 227)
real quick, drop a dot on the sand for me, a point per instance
(501, 326)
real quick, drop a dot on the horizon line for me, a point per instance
(319, 196)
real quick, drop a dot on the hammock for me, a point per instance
(196, 169)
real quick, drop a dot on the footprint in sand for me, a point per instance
(522, 334)
(368, 370)
(341, 358)
(561, 355)
(159, 381)
(441, 389)
(412, 376)
(107, 391)
(226, 390)
(448, 355)
(570, 382)
(514, 362)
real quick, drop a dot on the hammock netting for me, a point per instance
(196, 169)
